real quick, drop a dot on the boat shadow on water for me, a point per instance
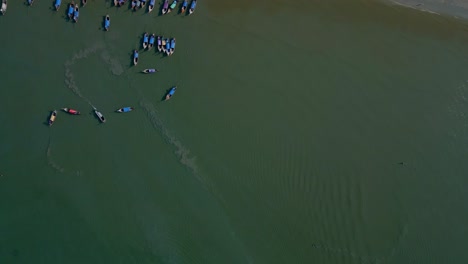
(131, 60)
(165, 94)
(46, 121)
(103, 26)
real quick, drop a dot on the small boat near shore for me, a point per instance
(142, 3)
(99, 116)
(71, 111)
(52, 117)
(192, 7)
(57, 4)
(107, 23)
(125, 109)
(149, 71)
(150, 6)
(172, 6)
(135, 57)
(76, 14)
(145, 40)
(165, 7)
(71, 9)
(151, 41)
(184, 7)
(171, 93)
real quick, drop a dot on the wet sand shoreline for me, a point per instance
(454, 8)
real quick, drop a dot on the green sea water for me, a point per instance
(300, 132)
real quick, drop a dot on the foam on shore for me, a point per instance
(456, 8)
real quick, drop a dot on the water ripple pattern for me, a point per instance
(50, 161)
(116, 67)
(181, 151)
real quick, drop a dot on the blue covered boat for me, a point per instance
(76, 14)
(145, 40)
(151, 6)
(172, 46)
(184, 7)
(168, 47)
(107, 23)
(125, 109)
(192, 7)
(71, 9)
(151, 41)
(57, 4)
(171, 93)
(135, 57)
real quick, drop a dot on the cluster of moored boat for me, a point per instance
(75, 7)
(165, 45)
(168, 8)
(99, 115)
(73, 10)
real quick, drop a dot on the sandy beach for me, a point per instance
(456, 8)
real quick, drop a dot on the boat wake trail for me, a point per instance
(181, 152)
(50, 161)
(116, 67)
(70, 78)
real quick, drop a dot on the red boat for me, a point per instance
(71, 111)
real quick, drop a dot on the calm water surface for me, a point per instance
(313, 131)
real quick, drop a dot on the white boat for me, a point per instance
(100, 116)
(4, 7)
